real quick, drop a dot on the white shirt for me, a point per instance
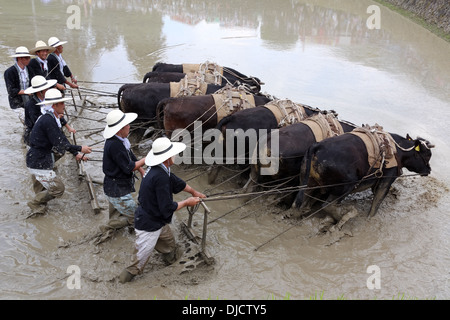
(44, 62)
(23, 76)
(125, 142)
(62, 63)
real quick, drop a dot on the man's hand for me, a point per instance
(198, 194)
(81, 156)
(86, 149)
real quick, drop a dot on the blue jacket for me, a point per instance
(45, 138)
(156, 205)
(118, 165)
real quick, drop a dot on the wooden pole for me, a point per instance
(83, 174)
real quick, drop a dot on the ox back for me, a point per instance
(258, 118)
(293, 143)
(339, 166)
(232, 76)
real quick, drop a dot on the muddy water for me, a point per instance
(315, 52)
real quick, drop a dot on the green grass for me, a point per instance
(431, 27)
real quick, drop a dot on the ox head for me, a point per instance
(418, 159)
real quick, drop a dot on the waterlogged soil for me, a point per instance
(397, 77)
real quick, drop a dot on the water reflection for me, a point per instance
(315, 52)
(281, 25)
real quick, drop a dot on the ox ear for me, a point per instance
(408, 137)
(417, 146)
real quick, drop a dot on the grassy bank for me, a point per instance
(414, 17)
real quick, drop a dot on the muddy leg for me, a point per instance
(47, 186)
(166, 245)
(121, 214)
(345, 217)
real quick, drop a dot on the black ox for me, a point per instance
(143, 98)
(338, 166)
(293, 143)
(258, 118)
(234, 77)
(163, 77)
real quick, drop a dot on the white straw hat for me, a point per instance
(52, 96)
(39, 83)
(163, 149)
(116, 120)
(41, 45)
(55, 42)
(21, 52)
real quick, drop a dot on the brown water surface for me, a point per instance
(319, 53)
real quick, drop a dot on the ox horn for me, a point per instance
(426, 143)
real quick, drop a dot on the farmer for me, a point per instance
(156, 207)
(17, 79)
(39, 86)
(56, 61)
(46, 137)
(119, 166)
(40, 65)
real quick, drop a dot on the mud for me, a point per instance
(397, 76)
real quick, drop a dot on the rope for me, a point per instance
(101, 82)
(185, 128)
(225, 101)
(101, 93)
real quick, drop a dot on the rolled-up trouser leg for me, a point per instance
(167, 246)
(162, 240)
(47, 187)
(121, 212)
(144, 245)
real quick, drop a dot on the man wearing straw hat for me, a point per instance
(40, 65)
(17, 79)
(156, 207)
(56, 61)
(39, 85)
(119, 166)
(46, 137)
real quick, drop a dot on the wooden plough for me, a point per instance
(83, 174)
(190, 233)
(81, 169)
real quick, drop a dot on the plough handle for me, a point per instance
(204, 206)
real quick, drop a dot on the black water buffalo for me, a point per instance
(238, 124)
(293, 143)
(232, 76)
(143, 98)
(163, 77)
(338, 166)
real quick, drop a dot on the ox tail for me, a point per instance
(147, 75)
(305, 169)
(119, 95)
(160, 112)
(222, 123)
(222, 126)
